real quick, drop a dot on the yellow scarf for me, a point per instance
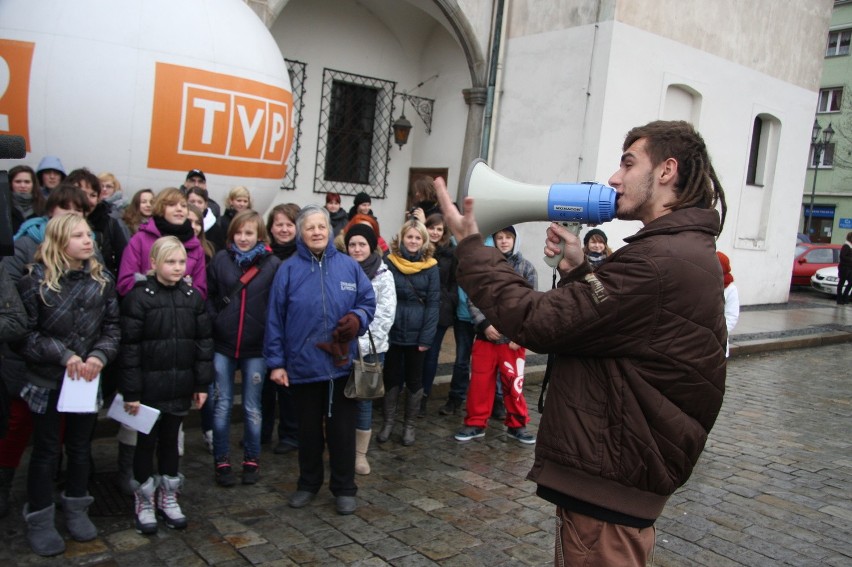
(408, 267)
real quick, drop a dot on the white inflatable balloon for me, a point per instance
(148, 89)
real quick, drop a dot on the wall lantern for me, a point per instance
(401, 128)
(422, 106)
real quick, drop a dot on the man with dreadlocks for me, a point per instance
(638, 370)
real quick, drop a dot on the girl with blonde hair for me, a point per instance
(166, 363)
(73, 317)
(418, 297)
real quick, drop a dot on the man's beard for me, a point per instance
(641, 195)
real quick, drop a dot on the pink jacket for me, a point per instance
(136, 260)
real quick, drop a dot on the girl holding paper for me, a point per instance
(167, 363)
(73, 331)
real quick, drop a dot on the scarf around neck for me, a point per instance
(183, 232)
(284, 251)
(409, 267)
(24, 203)
(371, 265)
(249, 257)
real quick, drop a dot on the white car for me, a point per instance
(825, 280)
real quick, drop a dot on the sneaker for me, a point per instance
(521, 434)
(208, 440)
(468, 432)
(251, 471)
(451, 407)
(224, 474)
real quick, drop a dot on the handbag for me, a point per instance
(365, 379)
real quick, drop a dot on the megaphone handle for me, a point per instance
(575, 228)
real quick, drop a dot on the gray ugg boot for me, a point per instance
(390, 400)
(77, 517)
(125, 467)
(167, 505)
(143, 505)
(7, 475)
(41, 531)
(412, 405)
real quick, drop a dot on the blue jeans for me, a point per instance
(430, 364)
(365, 407)
(253, 371)
(464, 333)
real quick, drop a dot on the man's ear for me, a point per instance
(667, 172)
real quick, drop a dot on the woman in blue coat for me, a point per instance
(320, 301)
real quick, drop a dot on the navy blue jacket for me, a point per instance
(239, 325)
(418, 298)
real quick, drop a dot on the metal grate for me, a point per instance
(298, 75)
(354, 139)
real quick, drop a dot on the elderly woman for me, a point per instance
(321, 301)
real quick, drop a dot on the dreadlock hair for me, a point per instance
(697, 184)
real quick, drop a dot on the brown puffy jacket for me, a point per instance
(639, 372)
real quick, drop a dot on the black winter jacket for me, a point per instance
(239, 325)
(166, 345)
(417, 303)
(445, 255)
(111, 235)
(79, 319)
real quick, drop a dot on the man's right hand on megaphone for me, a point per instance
(561, 241)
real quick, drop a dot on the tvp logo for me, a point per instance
(219, 123)
(15, 61)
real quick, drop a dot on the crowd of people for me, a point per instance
(164, 295)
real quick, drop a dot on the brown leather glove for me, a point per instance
(338, 351)
(347, 328)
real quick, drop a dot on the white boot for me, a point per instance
(167, 505)
(362, 442)
(143, 499)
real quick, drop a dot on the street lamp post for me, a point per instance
(818, 144)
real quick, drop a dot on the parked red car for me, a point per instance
(811, 257)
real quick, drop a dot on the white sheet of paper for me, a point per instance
(142, 422)
(78, 396)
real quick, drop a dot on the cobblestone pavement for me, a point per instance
(772, 488)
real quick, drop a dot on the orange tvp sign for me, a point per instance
(15, 61)
(219, 123)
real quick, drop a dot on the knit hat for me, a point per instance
(726, 268)
(591, 233)
(362, 198)
(365, 231)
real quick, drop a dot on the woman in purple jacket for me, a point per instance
(169, 218)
